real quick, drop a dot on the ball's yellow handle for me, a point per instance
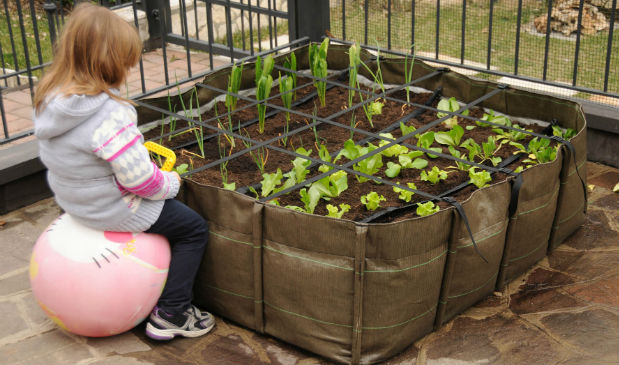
(170, 157)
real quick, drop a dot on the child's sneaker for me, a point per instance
(191, 323)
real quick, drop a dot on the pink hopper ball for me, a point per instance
(95, 283)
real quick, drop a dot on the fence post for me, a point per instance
(308, 18)
(159, 17)
(50, 7)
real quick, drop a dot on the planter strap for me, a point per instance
(572, 150)
(460, 210)
(516, 185)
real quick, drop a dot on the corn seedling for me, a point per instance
(234, 85)
(318, 66)
(354, 58)
(291, 63)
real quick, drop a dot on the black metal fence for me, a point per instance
(496, 40)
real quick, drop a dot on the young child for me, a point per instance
(98, 168)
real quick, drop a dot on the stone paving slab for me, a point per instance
(565, 310)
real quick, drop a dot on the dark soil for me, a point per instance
(244, 172)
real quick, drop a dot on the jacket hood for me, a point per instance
(65, 112)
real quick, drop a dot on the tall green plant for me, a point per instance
(354, 57)
(318, 66)
(408, 75)
(291, 63)
(264, 81)
(234, 85)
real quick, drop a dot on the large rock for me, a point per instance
(564, 18)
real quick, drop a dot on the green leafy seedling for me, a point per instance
(405, 194)
(428, 208)
(479, 179)
(434, 176)
(449, 105)
(318, 67)
(451, 138)
(372, 200)
(335, 212)
(393, 169)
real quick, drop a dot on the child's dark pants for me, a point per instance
(187, 233)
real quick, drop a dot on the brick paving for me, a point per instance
(565, 310)
(18, 103)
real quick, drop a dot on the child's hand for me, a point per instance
(177, 176)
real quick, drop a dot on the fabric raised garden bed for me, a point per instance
(363, 287)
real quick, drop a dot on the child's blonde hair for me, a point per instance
(93, 54)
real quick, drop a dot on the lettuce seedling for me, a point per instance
(370, 165)
(335, 212)
(479, 179)
(406, 129)
(434, 176)
(405, 194)
(449, 105)
(428, 208)
(372, 200)
(270, 181)
(459, 165)
(540, 151)
(393, 169)
(394, 150)
(496, 119)
(326, 188)
(559, 132)
(425, 141)
(300, 165)
(407, 162)
(485, 152)
(451, 138)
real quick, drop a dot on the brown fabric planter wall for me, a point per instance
(361, 293)
(529, 229)
(468, 278)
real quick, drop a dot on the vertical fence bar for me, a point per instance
(438, 28)
(275, 21)
(243, 26)
(251, 28)
(610, 44)
(389, 24)
(344, 19)
(229, 30)
(158, 15)
(518, 25)
(258, 22)
(463, 32)
(8, 23)
(365, 37)
(270, 25)
(137, 26)
(490, 19)
(209, 22)
(6, 83)
(4, 123)
(22, 27)
(50, 9)
(184, 25)
(35, 28)
(547, 46)
(577, 47)
(195, 16)
(412, 23)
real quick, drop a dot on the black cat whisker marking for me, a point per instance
(96, 262)
(112, 252)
